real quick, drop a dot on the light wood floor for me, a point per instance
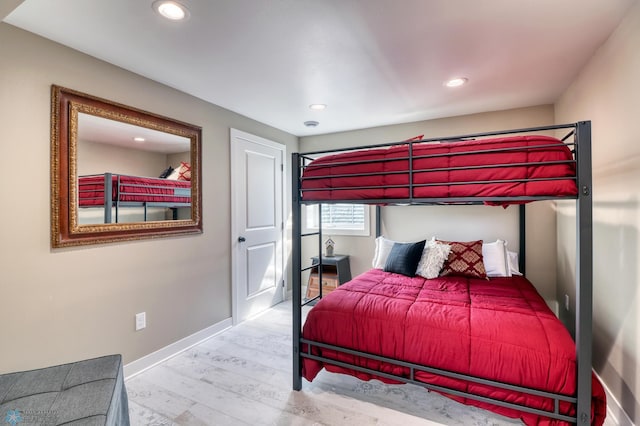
(243, 377)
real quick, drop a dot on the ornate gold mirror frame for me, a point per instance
(67, 107)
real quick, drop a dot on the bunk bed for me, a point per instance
(113, 191)
(512, 167)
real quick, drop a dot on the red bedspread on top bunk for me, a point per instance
(133, 189)
(323, 181)
(499, 329)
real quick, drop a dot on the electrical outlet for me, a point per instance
(566, 302)
(141, 321)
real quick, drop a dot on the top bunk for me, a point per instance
(499, 168)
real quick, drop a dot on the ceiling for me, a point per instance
(373, 62)
(92, 128)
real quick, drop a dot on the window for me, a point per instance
(338, 219)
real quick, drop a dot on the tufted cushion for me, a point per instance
(86, 393)
(465, 259)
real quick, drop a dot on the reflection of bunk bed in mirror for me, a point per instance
(113, 192)
(496, 168)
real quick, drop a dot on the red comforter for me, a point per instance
(500, 329)
(332, 181)
(133, 189)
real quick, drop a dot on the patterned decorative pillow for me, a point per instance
(404, 258)
(464, 259)
(185, 171)
(433, 258)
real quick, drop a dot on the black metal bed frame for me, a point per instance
(109, 202)
(581, 133)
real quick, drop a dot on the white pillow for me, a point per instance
(494, 256)
(383, 248)
(174, 174)
(433, 257)
(512, 259)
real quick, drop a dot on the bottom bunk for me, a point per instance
(492, 338)
(146, 199)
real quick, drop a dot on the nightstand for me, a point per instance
(336, 270)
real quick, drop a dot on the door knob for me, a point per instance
(241, 239)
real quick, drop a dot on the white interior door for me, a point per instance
(257, 169)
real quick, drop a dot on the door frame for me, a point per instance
(235, 233)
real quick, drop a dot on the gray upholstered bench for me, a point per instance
(87, 393)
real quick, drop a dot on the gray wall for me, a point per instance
(98, 158)
(67, 304)
(463, 222)
(607, 92)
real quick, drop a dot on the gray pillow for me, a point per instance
(404, 258)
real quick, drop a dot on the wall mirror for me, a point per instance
(119, 173)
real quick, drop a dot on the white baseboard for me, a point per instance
(139, 365)
(615, 413)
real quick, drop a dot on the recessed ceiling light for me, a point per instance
(456, 82)
(317, 107)
(139, 139)
(311, 123)
(171, 10)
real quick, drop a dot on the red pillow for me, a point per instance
(465, 258)
(414, 139)
(185, 171)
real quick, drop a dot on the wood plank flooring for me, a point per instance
(243, 377)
